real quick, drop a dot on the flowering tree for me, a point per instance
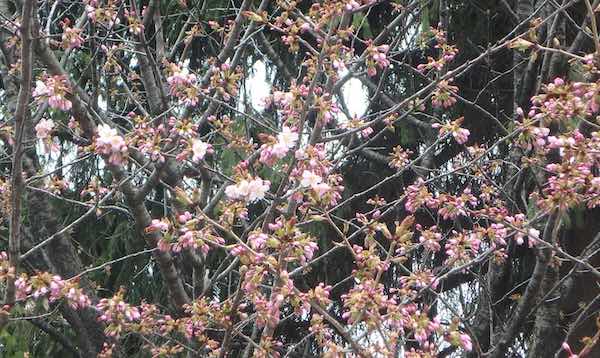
(156, 205)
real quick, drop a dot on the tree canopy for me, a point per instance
(336, 178)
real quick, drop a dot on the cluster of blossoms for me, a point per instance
(365, 301)
(291, 103)
(225, 80)
(369, 304)
(121, 318)
(457, 338)
(251, 189)
(110, 143)
(291, 39)
(461, 135)
(294, 248)
(267, 307)
(430, 238)
(291, 32)
(44, 128)
(326, 107)
(200, 149)
(136, 27)
(571, 181)
(107, 15)
(184, 233)
(417, 281)
(377, 57)
(447, 53)
(417, 195)
(443, 96)
(567, 185)
(313, 171)
(115, 312)
(314, 181)
(320, 295)
(183, 128)
(353, 5)
(43, 131)
(359, 123)
(146, 319)
(518, 222)
(297, 247)
(400, 157)
(112, 64)
(451, 206)
(339, 55)
(44, 286)
(147, 138)
(54, 90)
(462, 248)
(531, 137)
(561, 101)
(285, 141)
(282, 99)
(182, 85)
(71, 37)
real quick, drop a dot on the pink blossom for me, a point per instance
(53, 90)
(44, 128)
(351, 5)
(430, 239)
(465, 341)
(321, 188)
(110, 143)
(339, 65)
(23, 287)
(310, 179)
(40, 89)
(461, 135)
(567, 349)
(199, 149)
(248, 190)
(185, 217)
(187, 240)
(257, 241)
(71, 38)
(182, 85)
(287, 138)
(443, 96)
(77, 299)
(158, 225)
(533, 235)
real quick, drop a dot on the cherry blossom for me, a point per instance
(286, 140)
(111, 144)
(44, 128)
(54, 90)
(248, 190)
(199, 149)
(310, 179)
(71, 37)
